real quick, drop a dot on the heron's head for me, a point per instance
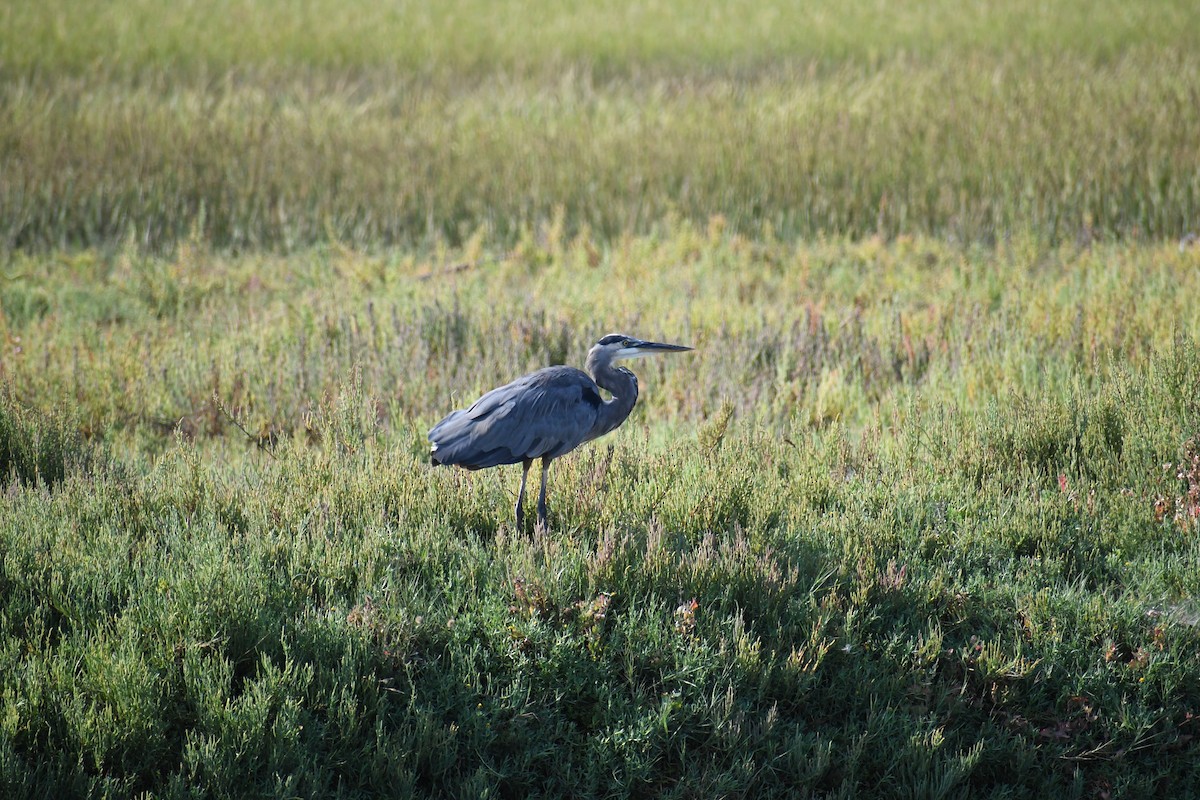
(619, 345)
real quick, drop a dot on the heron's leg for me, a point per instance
(542, 495)
(521, 494)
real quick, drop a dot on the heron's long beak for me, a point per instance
(640, 348)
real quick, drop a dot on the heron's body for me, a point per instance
(541, 415)
(544, 414)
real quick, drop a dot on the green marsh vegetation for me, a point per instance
(918, 518)
(267, 125)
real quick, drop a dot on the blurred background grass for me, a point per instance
(538, 39)
(268, 124)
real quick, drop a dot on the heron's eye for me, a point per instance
(626, 343)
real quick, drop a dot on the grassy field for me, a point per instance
(263, 126)
(916, 492)
(920, 517)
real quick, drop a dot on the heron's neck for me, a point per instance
(623, 386)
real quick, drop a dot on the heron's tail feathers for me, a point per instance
(456, 441)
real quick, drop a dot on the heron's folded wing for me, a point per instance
(547, 413)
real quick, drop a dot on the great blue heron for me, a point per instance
(544, 415)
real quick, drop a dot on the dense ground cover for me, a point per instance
(918, 518)
(916, 492)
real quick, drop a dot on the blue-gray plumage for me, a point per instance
(544, 415)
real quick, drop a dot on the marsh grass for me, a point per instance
(818, 333)
(895, 528)
(38, 449)
(918, 517)
(281, 133)
(541, 39)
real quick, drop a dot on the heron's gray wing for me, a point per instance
(545, 413)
